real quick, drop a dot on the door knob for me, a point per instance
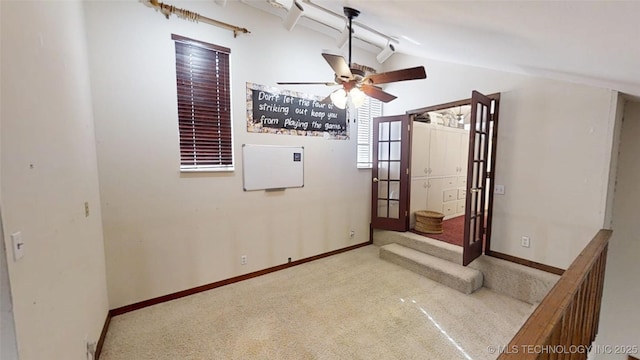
(375, 180)
(475, 190)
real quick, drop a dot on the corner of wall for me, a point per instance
(615, 117)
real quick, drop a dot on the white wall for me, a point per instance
(49, 169)
(165, 231)
(620, 318)
(554, 151)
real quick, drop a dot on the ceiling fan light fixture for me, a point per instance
(356, 84)
(294, 14)
(339, 98)
(357, 97)
(386, 52)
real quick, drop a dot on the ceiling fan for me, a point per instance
(460, 116)
(355, 83)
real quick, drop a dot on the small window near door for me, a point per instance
(204, 106)
(370, 109)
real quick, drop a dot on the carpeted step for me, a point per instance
(433, 247)
(463, 279)
(514, 280)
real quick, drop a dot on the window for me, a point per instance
(370, 109)
(204, 106)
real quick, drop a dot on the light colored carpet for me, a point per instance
(348, 306)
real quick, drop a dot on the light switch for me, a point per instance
(18, 246)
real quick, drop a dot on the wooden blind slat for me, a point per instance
(204, 103)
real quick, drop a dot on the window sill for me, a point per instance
(207, 169)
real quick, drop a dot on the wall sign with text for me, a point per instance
(275, 111)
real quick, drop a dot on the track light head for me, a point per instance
(343, 37)
(294, 14)
(386, 52)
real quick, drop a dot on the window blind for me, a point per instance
(204, 105)
(370, 109)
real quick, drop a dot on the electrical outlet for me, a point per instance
(86, 209)
(243, 260)
(499, 189)
(352, 234)
(525, 241)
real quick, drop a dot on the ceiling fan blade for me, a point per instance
(339, 66)
(397, 75)
(377, 93)
(308, 83)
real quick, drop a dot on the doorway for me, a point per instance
(449, 170)
(439, 151)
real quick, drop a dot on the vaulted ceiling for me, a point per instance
(590, 42)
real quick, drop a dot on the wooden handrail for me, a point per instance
(565, 323)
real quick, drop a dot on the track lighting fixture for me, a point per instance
(386, 52)
(343, 37)
(294, 14)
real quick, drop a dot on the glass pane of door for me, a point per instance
(390, 173)
(388, 164)
(477, 178)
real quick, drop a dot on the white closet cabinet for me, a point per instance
(438, 169)
(444, 152)
(420, 163)
(418, 198)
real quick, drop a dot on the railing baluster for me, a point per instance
(586, 335)
(570, 312)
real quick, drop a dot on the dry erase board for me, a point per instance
(269, 167)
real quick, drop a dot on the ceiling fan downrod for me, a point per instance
(350, 13)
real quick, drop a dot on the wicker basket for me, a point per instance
(429, 222)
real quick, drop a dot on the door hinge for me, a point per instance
(407, 171)
(406, 213)
(409, 127)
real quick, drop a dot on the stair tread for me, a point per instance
(431, 261)
(437, 248)
(463, 279)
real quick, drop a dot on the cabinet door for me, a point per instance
(420, 140)
(464, 153)
(437, 153)
(444, 152)
(435, 195)
(452, 158)
(418, 199)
